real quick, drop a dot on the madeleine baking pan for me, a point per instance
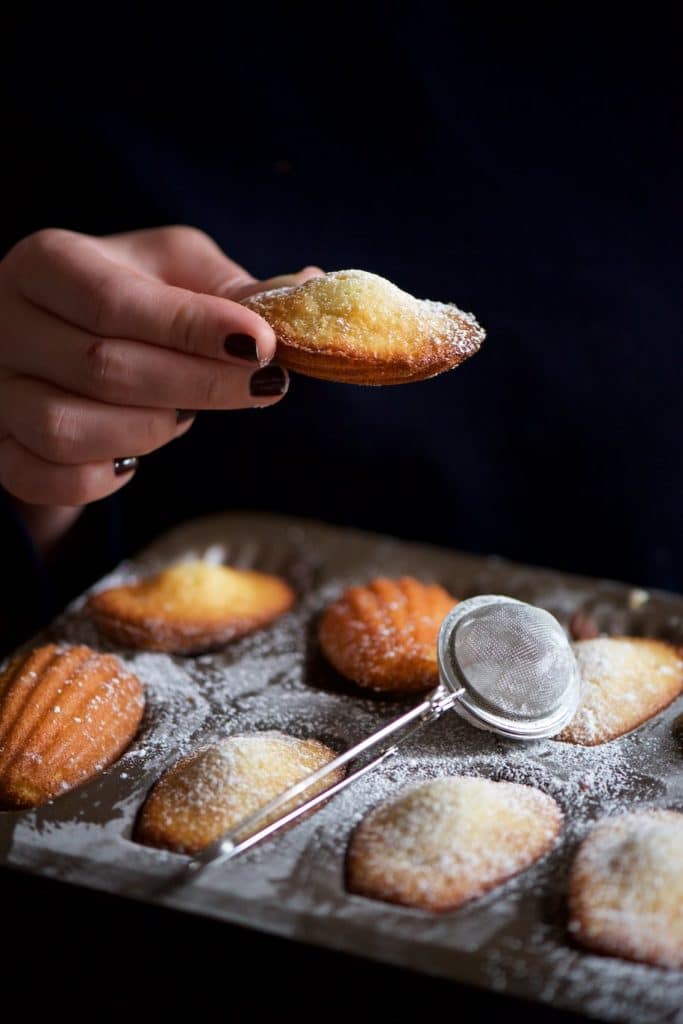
(514, 939)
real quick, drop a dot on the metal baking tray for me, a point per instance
(514, 939)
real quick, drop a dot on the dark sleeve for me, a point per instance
(35, 588)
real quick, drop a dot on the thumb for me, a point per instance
(242, 290)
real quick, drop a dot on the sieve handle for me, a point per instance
(230, 844)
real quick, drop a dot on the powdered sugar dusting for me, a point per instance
(221, 784)
(627, 887)
(440, 843)
(513, 938)
(625, 682)
(384, 635)
(363, 314)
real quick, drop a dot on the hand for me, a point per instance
(109, 345)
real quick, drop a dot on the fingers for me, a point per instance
(38, 481)
(188, 258)
(68, 429)
(102, 341)
(130, 373)
(75, 277)
(182, 256)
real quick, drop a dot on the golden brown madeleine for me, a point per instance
(358, 328)
(626, 888)
(215, 788)
(384, 635)
(438, 844)
(190, 607)
(626, 680)
(65, 714)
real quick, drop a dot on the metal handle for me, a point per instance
(230, 844)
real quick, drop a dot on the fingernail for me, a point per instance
(183, 415)
(268, 382)
(126, 465)
(242, 346)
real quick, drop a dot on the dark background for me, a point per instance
(523, 164)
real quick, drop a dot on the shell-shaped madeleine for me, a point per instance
(65, 714)
(215, 788)
(626, 680)
(358, 328)
(190, 607)
(626, 888)
(384, 635)
(438, 844)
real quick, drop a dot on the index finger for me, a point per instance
(69, 275)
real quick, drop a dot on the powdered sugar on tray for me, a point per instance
(514, 938)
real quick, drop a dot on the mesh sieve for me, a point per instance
(514, 664)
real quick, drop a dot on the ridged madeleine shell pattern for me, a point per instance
(65, 714)
(384, 635)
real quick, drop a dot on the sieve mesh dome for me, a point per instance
(514, 664)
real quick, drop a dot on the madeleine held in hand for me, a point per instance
(358, 328)
(108, 346)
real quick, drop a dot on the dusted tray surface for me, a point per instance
(513, 939)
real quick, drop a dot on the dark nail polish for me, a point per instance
(242, 346)
(183, 415)
(268, 382)
(126, 464)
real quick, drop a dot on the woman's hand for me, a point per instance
(108, 346)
